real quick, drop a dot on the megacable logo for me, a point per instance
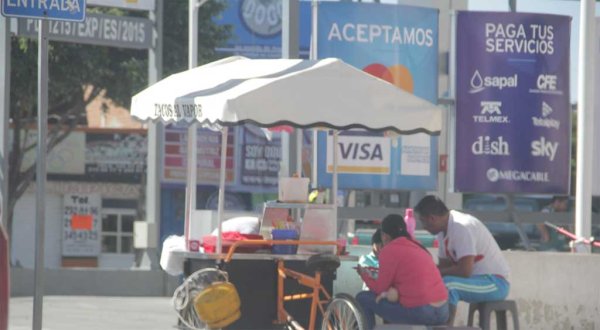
(479, 83)
(495, 175)
(491, 113)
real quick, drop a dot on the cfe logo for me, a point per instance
(546, 84)
(479, 83)
(543, 148)
(491, 113)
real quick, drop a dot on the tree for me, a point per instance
(78, 74)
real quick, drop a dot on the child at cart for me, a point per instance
(370, 261)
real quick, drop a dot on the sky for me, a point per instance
(560, 7)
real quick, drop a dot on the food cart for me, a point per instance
(324, 94)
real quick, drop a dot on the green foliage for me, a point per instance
(79, 73)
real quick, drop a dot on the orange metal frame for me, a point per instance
(311, 282)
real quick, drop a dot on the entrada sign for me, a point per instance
(63, 10)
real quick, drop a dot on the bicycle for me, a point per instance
(340, 312)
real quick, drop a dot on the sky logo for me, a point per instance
(543, 148)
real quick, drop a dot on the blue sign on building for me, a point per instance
(61, 10)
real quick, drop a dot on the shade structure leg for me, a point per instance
(224, 132)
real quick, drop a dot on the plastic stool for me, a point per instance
(500, 307)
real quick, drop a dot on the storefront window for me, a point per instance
(117, 230)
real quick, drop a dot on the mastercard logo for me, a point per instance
(398, 75)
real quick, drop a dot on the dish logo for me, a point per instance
(484, 145)
(479, 83)
(543, 148)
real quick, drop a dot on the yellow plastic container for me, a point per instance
(218, 305)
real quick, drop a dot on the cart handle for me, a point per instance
(277, 242)
(572, 236)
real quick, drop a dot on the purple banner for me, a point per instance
(513, 119)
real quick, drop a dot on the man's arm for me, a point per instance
(463, 268)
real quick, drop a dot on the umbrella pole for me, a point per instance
(191, 179)
(224, 132)
(334, 181)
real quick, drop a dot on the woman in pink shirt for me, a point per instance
(408, 268)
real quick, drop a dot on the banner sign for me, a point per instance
(97, 29)
(81, 225)
(513, 119)
(400, 45)
(260, 159)
(115, 157)
(256, 28)
(208, 146)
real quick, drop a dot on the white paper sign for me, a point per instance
(82, 225)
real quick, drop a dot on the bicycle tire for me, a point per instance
(343, 313)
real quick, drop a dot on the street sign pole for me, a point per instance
(73, 10)
(40, 180)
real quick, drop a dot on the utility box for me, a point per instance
(144, 235)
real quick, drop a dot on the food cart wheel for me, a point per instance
(343, 313)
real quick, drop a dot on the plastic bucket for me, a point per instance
(284, 234)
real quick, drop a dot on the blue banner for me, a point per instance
(398, 44)
(257, 27)
(513, 119)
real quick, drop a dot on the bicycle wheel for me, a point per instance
(343, 313)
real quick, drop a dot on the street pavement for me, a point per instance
(94, 313)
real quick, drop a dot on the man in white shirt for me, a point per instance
(470, 261)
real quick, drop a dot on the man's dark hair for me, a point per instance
(431, 205)
(376, 238)
(559, 198)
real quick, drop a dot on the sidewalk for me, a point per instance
(94, 313)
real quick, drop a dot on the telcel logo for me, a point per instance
(543, 148)
(479, 83)
(484, 145)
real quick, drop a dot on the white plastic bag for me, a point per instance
(170, 262)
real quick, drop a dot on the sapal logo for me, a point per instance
(484, 145)
(546, 84)
(543, 148)
(491, 113)
(545, 120)
(495, 175)
(479, 83)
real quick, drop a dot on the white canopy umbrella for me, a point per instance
(270, 92)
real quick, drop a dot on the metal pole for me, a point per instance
(4, 116)
(220, 207)
(289, 49)
(192, 34)
(585, 119)
(40, 179)
(512, 5)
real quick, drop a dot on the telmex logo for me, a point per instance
(479, 83)
(484, 145)
(544, 121)
(494, 175)
(491, 113)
